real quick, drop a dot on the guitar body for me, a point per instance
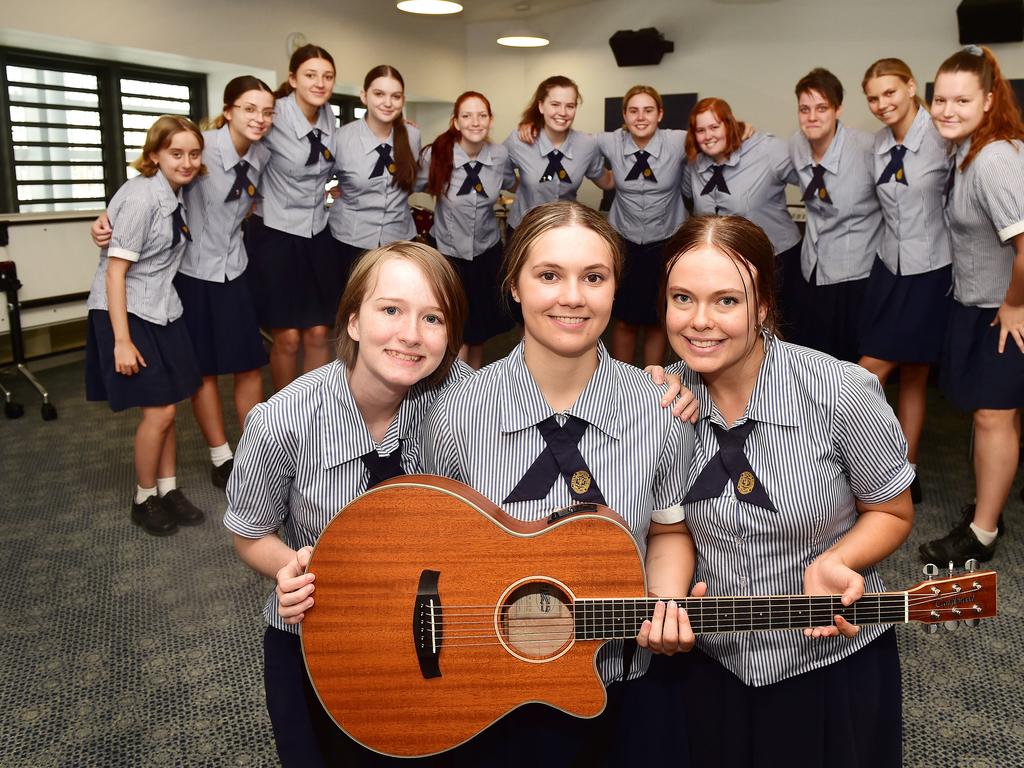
(411, 675)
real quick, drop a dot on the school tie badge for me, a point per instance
(316, 148)
(730, 466)
(179, 227)
(816, 189)
(472, 182)
(555, 169)
(716, 182)
(561, 457)
(383, 468)
(384, 162)
(241, 184)
(641, 167)
(894, 170)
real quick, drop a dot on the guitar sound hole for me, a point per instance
(537, 621)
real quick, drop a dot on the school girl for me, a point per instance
(554, 165)
(465, 172)
(906, 301)
(844, 221)
(558, 422)
(376, 160)
(323, 440)
(138, 351)
(798, 486)
(295, 274)
(974, 107)
(734, 174)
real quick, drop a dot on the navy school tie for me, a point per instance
(383, 468)
(242, 183)
(560, 457)
(555, 169)
(730, 465)
(717, 181)
(817, 186)
(384, 162)
(472, 182)
(894, 170)
(179, 227)
(316, 147)
(641, 167)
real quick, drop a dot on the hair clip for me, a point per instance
(974, 50)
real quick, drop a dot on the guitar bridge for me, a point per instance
(427, 625)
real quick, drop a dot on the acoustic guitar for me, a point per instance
(436, 613)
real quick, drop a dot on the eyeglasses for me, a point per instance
(251, 111)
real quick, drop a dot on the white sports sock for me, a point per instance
(220, 454)
(165, 485)
(985, 537)
(141, 494)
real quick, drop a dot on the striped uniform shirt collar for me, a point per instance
(229, 155)
(885, 141)
(300, 125)
(597, 404)
(961, 152)
(338, 406)
(704, 161)
(832, 155)
(460, 157)
(653, 147)
(166, 198)
(370, 142)
(544, 143)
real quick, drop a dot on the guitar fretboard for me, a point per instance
(606, 619)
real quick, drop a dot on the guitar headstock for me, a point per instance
(954, 598)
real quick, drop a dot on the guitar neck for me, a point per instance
(607, 619)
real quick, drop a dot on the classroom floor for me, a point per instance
(121, 649)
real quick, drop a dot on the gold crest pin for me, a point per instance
(580, 482)
(746, 483)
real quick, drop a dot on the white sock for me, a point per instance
(220, 454)
(141, 494)
(165, 485)
(914, 467)
(985, 537)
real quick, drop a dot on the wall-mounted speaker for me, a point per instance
(990, 21)
(640, 47)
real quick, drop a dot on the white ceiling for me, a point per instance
(502, 10)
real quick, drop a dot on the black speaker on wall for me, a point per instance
(990, 21)
(640, 47)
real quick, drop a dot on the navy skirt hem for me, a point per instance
(973, 374)
(829, 317)
(169, 376)
(904, 316)
(222, 325)
(481, 281)
(636, 298)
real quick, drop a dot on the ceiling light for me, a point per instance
(429, 7)
(522, 39)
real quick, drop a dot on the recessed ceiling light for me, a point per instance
(429, 7)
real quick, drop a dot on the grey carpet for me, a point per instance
(121, 649)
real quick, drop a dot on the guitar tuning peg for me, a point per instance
(950, 625)
(930, 629)
(972, 623)
(971, 565)
(931, 571)
(952, 568)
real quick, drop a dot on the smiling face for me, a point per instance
(400, 329)
(251, 115)
(384, 99)
(313, 82)
(641, 116)
(473, 120)
(180, 160)
(712, 136)
(711, 317)
(558, 108)
(818, 118)
(566, 287)
(959, 105)
(891, 100)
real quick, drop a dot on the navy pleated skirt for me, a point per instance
(347, 255)
(904, 316)
(636, 298)
(828, 317)
(295, 281)
(845, 715)
(973, 374)
(787, 287)
(481, 280)
(170, 375)
(221, 322)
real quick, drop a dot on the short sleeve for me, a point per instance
(1000, 178)
(261, 479)
(672, 473)
(781, 162)
(869, 440)
(130, 221)
(595, 166)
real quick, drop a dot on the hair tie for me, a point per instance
(974, 50)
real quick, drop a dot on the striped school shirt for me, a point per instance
(843, 236)
(757, 175)
(644, 211)
(370, 212)
(298, 462)
(580, 159)
(985, 212)
(292, 193)
(141, 216)
(824, 437)
(483, 433)
(915, 238)
(217, 252)
(465, 225)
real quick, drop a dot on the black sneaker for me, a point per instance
(154, 517)
(967, 517)
(183, 510)
(915, 490)
(958, 546)
(219, 475)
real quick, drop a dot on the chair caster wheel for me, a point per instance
(48, 412)
(14, 410)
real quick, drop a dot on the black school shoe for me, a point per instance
(154, 517)
(183, 510)
(219, 475)
(960, 544)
